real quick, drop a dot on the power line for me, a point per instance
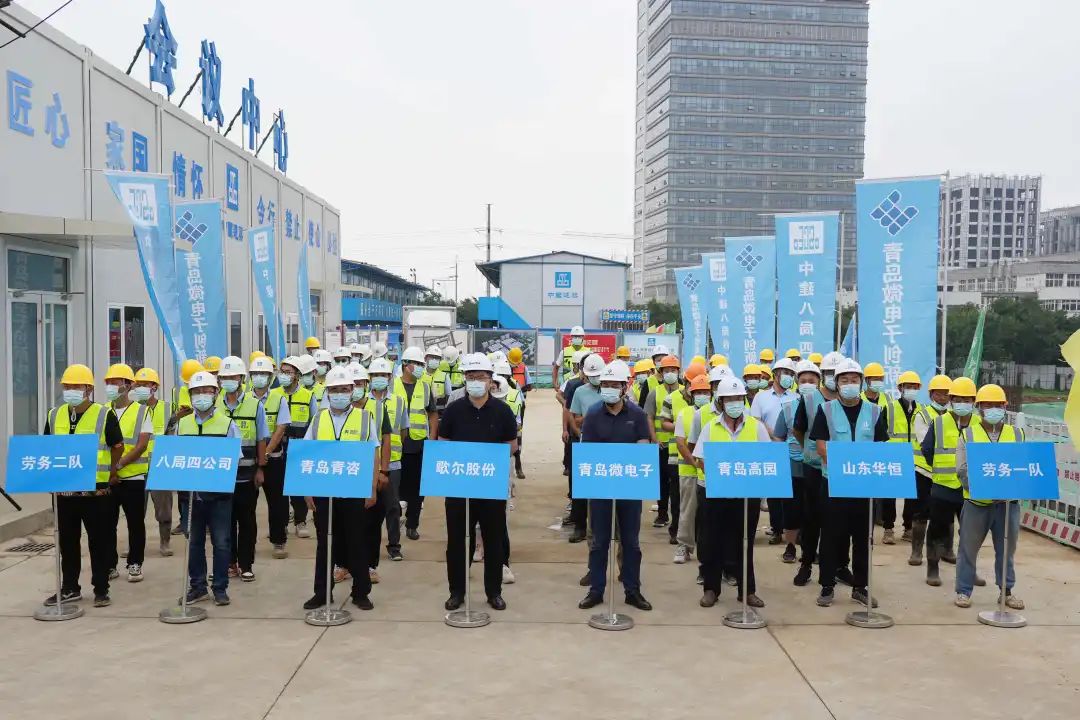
(19, 35)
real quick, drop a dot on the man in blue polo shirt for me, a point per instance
(613, 420)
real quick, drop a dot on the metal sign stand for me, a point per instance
(868, 618)
(59, 611)
(182, 614)
(748, 618)
(611, 620)
(1002, 617)
(467, 618)
(327, 616)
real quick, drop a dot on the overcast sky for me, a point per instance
(410, 116)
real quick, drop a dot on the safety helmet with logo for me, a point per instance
(848, 366)
(730, 386)
(365, 352)
(990, 393)
(502, 367)
(323, 357)
(312, 343)
(413, 354)
(614, 373)
(189, 367)
(354, 348)
(766, 355)
(339, 377)
(501, 389)
(909, 377)
(254, 354)
(720, 372)
(342, 353)
(577, 330)
(378, 349)
(593, 365)
(701, 382)
(77, 375)
(381, 366)
(476, 362)
(621, 366)
(305, 364)
(784, 364)
(830, 361)
(815, 357)
(874, 370)
(807, 366)
(514, 356)
(962, 387)
(579, 357)
(212, 364)
(793, 354)
(451, 354)
(623, 352)
(233, 365)
(359, 372)
(659, 350)
(433, 351)
(940, 382)
(147, 375)
(120, 371)
(293, 362)
(669, 361)
(202, 379)
(262, 364)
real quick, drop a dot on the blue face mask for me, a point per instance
(963, 409)
(610, 395)
(380, 383)
(701, 400)
(878, 386)
(202, 402)
(230, 385)
(910, 395)
(830, 382)
(140, 394)
(670, 378)
(734, 408)
(786, 381)
(340, 401)
(284, 379)
(993, 415)
(937, 406)
(806, 389)
(595, 381)
(74, 397)
(849, 392)
(359, 393)
(112, 392)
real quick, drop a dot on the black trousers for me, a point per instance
(348, 549)
(671, 479)
(814, 496)
(411, 464)
(793, 506)
(665, 487)
(299, 510)
(846, 523)
(244, 525)
(887, 508)
(94, 512)
(372, 526)
(720, 534)
(129, 496)
(579, 509)
(945, 506)
(277, 507)
(491, 516)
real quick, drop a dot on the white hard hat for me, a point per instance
(502, 387)
(476, 361)
(577, 330)
(621, 366)
(323, 356)
(355, 348)
(594, 365)
(365, 351)
(847, 365)
(659, 350)
(830, 361)
(614, 372)
(413, 354)
(784, 364)
(232, 365)
(730, 386)
(202, 379)
(378, 349)
(293, 362)
(342, 353)
(359, 372)
(497, 356)
(719, 373)
(305, 364)
(381, 365)
(433, 350)
(580, 355)
(807, 366)
(502, 367)
(338, 376)
(262, 364)
(451, 354)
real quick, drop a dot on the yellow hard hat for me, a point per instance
(255, 354)
(623, 352)
(697, 359)
(873, 370)
(189, 368)
(717, 360)
(120, 371)
(815, 358)
(990, 393)
(909, 377)
(962, 387)
(767, 355)
(645, 365)
(766, 371)
(312, 343)
(940, 382)
(147, 375)
(212, 364)
(793, 353)
(77, 375)
(751, 369)
(514, 356)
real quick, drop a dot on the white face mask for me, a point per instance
(433, 364)
(230, 385)
(202, 402)
(140, 394)
(477, 388)
(260, 380)
(112, 392)
(74, 397)
(340, 401)
(670, 378)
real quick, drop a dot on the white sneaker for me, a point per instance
(962, 600)
(478, 554)
(681, 553)
(302, 531)
(134, 572)
(508, 575)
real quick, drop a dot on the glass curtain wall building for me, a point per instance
(744, 109)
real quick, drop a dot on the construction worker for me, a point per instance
(793, 355)
(717, 359)
(363, 355)
(980, 517)
(846, 419)
(432, 360)
(766, 407)
(147, 384)
(422, 423)
(393, 408)
(753, 381)
(783, 430)
(584, 397)
(448, 375)
(766, 356)
(311, 345)
(276, 414)
(212, 364)
(639, 391)
(671, 409)
(565, 363)
(574, 512)
(659, 352)
(946, 494)
(374, 515)
(249, 415)
(378, 349)
(211, 512)
(323, 362)
(898, 414)
(131, 468)
(724, 522)
(302, 407)
(815, 357)
(700, 392)
(93, 509)
(813, 395)
(921, 423)
(654, 403)
(622, 353)
(515, 398)
(343, 357)
(342, 422)
(875, 384)
(183, 405)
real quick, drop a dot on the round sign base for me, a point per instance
(869, 619)
(747, 619)
(327, 617)
(613, 621)
(1006, 619)
(56, 613)
(467, 619)
(182, 616)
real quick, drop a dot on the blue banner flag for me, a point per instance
(303, 295)
(264, 270)
(1012, 471)
(897, 240)
(747, 470)
(689, 284)
(194, 463)
(849, 347)
(146, 198)
(751, 289)
(806, 275)
(871, 470)
(465, 470)
(615, 471)
(715, 300)
(51, 463)
(329, 468)
(202, 278)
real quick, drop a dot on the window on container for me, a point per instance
(127, 335)
(236, 338)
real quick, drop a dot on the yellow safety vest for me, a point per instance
(568, 357)
(417, 404)
(663, 436)
(318, 390)
(1008, 434)
(217, 425)
(718, 432)
(929, 414)
(513, 399)
(946, 437)
(882, 399)
(92, 422)
(897, 421)
(184, 397)
(159, 416)
(244, 416)
(686, 419)
(707, 414)
(131, 421)
(678, 404)
(357, 426)
(391, 405)
(271, 406)
(299, 410)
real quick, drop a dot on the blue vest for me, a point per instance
(840, 428)
(788, 405)
(809, 451)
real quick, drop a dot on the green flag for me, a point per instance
(671, 328)
(974, 358)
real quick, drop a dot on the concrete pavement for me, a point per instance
(256, 658)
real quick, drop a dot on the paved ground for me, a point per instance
(258, 659)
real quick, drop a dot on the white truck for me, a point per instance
(427, 325)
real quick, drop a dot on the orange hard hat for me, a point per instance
(694, 369)
(669, 361)
(700, 382)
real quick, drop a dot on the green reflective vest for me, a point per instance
(92, 422)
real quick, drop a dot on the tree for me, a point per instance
(659, 312)
(1017, 329)
(467, 310)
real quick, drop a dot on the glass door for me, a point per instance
(39, 350)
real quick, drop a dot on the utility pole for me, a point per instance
(488, 245)
(455, 281)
